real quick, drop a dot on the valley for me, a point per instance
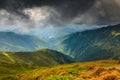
(59, 39)
(88, 55)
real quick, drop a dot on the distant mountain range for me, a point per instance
(98, 44)
(10, 41)
(23, 53)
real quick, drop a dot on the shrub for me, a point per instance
(99, 71)
(73, 72)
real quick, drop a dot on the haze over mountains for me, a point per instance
(24, 55)
(97, 44)
(38, 36)
(10, 41)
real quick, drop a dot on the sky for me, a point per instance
(53, 18)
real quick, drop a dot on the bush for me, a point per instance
(73, 72)
(99, 71)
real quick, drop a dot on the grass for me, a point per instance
(97, 70)
(45, 65)
(13, 63)
(8, 71)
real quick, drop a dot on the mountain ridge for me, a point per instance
(13, 63)
(102, 43)
(10, 41)
(37, 57)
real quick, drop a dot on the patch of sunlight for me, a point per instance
(6, 54)
(115, 33)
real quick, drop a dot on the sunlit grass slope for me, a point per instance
(97, 70)
(12, 63)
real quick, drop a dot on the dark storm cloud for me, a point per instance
(103, 12)
(67, 8)
(69, 11)
(33, 3)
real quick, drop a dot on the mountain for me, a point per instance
(97, 70)
(43, 57)
(12, 63)
(102, 43)
(10, 41)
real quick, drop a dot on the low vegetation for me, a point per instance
(97, 70)
(13, 63)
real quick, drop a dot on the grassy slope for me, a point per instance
(19, 62)
(98, 70)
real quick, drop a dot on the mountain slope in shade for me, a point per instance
(10, 41)
(103, 43)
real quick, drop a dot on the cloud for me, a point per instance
(37, 17)
(28, 14)
(62, 11)
(102, 12)
(12, 22)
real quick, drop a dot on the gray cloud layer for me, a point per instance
(37, 13)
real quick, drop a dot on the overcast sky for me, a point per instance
(25, 16)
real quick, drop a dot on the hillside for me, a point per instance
(98, 44)
(10, 41)
(98, 70)
(12, 63)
